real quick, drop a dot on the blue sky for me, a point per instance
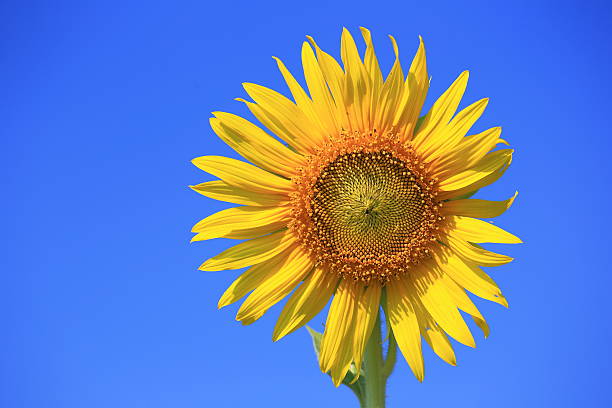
(104, 105)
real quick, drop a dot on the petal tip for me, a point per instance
(278, 334)
(504, 302)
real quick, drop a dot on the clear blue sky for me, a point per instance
(104, 104)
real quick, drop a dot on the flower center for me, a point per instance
(367, 212)
(367, 205)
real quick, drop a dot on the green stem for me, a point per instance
(375, 381)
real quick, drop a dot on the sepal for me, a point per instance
(350, 380)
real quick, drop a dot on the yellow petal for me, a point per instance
(344, 357)
(250, 252)
(467, 153)
(278, 285)
(365, 317)
(417, 82)
(293, 125)
(446, 138)
(245, 176)
(479, 231)
(440, 306)
(438, 341)
(474, 254)
(440, 113)
(316, 130)
(468, 276)
(483, 182)
(336, 345)
(220, 190)
(322, 99)
(306, 302)
(490, 164)
(242, 223)
(278, 127)
(477, 208)
(391, 94)
(403, 319)
(370, 60)
(474, 147)
(334, 76)
(255, 145)
(356, 85)
(252, 278)
(464, 303)
(375, 77)
(434, 335)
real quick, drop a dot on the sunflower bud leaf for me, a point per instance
(316, 340)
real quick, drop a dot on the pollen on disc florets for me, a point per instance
(365, 207)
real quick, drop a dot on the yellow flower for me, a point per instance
(362, 202)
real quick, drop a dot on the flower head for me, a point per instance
(360, 201)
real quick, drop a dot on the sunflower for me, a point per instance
(360, 201)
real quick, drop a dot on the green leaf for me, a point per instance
(391, 358)
(349, 379)
(316, 340)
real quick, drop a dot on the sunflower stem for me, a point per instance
(374, 376)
